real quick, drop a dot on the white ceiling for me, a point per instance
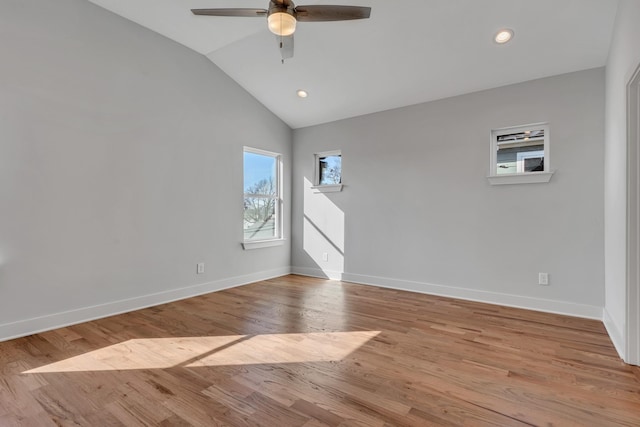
(408, 52)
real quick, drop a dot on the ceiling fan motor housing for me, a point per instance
(288, 8)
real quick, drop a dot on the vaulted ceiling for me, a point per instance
(408, 52)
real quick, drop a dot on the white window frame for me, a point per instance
(316, 178)
(278, 238)
(520, 177)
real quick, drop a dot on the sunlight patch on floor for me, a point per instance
(163, 353)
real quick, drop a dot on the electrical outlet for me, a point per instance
(543, 279)
(200, 268)
(325, 256)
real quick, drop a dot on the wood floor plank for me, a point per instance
(297, 351)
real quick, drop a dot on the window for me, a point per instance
(329, 168)
(328, 171)
(262, 195)
(520, 155)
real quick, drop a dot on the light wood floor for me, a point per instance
(297, 351)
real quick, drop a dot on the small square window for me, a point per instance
(328, 172)
(520, 152)
(328, 169)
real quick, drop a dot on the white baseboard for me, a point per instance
(615, 333)
(316, 272)
(509, 300)
(529, 303)
(58, 320)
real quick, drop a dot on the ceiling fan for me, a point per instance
(283, 15)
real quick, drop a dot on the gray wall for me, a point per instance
(624, 57)
(120, 167)
(418, 213)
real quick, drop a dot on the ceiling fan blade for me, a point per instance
(316, 13)
(231, 12)
(286, 46)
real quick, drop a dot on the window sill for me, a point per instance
(259, 244)
(521, 178)
(327, 188)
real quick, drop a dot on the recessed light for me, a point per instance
(302, 93)
(503, 36)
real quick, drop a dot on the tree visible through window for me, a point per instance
(329, 168)
(261, 195)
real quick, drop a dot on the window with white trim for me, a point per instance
(520, 154)
(262, 195)
(328, 171)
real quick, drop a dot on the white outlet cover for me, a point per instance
(543, 279)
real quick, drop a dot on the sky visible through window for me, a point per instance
(256, 168)
(260, 196)
(330, 170)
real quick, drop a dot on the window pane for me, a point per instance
(259, 218)
(330, 170)
(260, 174)
(520, 155)
(534, 164)
(520, 159)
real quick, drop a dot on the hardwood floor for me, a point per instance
(297, 351)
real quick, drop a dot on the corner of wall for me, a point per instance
(317, 272)
(615, 333)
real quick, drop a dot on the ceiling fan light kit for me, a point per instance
(282, 23)
(283, 15)
(281, 19)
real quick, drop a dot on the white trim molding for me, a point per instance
(529, 303)
(528, 178)
(259, 244)
(631, 335)
(317, 272)
(615, 333)
(333, 188)
(35, 325)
